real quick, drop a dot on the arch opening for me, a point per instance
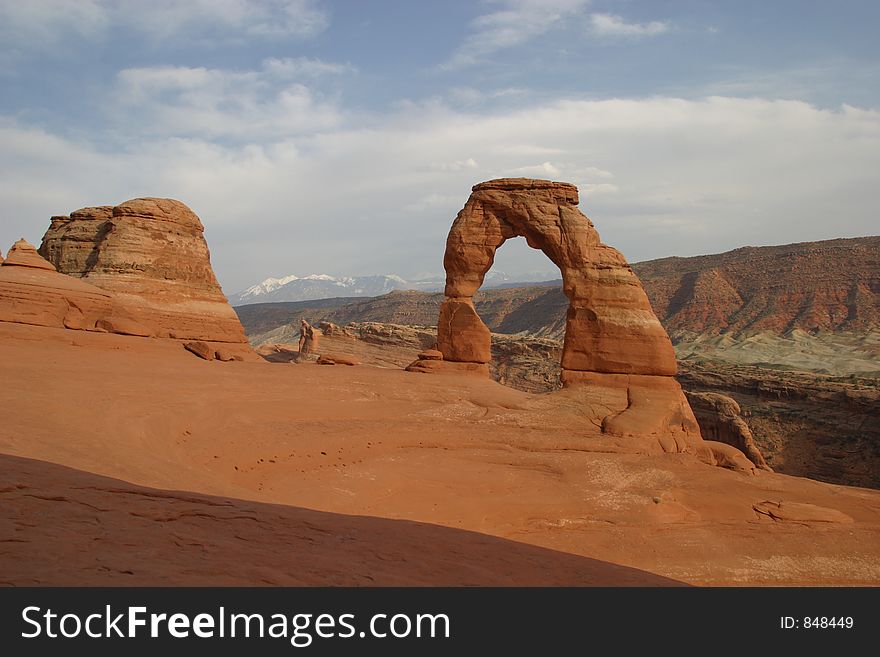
(526, 319)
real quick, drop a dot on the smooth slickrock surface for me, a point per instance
(223, 475)
(188, 539)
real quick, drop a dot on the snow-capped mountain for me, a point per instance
(324, 286)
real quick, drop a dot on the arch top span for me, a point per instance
(610, 326)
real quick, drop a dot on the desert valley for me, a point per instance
(701, 421)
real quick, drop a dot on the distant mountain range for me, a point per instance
(831, 286)
(324, 286)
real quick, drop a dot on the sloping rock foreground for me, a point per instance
(151, 253)
(820, 427)
(452, 451)
(187, 539)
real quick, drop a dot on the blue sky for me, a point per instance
(343, 137)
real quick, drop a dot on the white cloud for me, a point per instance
(593, 172)
(472, 96)
(271, 19)
(537, 170)
(40, 24)
(515, 23)
(298, 67)
(224, 104)
(689, 176)
(457, 165)
(610, 25)
(434, 201)
(592, 189)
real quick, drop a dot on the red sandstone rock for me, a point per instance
(200, 349)
(331, 330)
(151, 253)
(337, 359)
(123, 326)
(800, 512)
(34, 293)
(448, 367)
(23, 254)
(461, 335)
(430, 354)
(225, 355)
(728, 456)
(613, 340)
(768, 289)
(719, 418)
(644, 406)
(611, 327)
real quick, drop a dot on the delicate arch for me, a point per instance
(610, 326)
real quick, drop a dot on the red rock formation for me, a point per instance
(427, 366)
(337, 359)
(32, 292)
(225, 355)
(728, 456)
(720, 419)
(23, 254)
(610, 325)
(461, 334)
(833, 285)
(613, 340)
(152, 254)
(201, 349)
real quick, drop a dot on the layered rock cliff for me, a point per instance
(32, 292)
(152, 254)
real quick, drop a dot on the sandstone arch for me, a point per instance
(610, 327)
(617, 358)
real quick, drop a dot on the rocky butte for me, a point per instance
(152, 254)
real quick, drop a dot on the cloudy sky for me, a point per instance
(342, 137)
